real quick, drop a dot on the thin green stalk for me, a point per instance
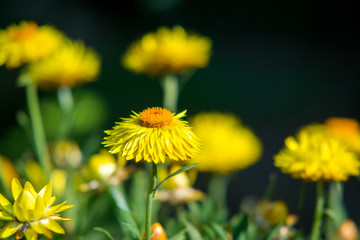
(218, 193)
(149, 199)
(319, 211)
(170, 84)
(66, 102)
(37, 127)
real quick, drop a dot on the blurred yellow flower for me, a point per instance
(67, 153)
(8, 171)
(27, 42)
(178, 189)
(315, 155)
(153, 135)
(347, 130)
(71, 65)
(347, 231)
(270, 213)
(227, 145)
(32, 213)
(102, 165)
(167, 51)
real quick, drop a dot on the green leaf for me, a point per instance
(105, 232)
(192, 231)
(271, 235)
(209, 232)
(219, 231)
(183, 169)
(179, 236)
(241, 229)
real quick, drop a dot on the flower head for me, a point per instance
(167, 51)
(153, 135)
(158, 232)
(347, 130)
(71, 65)
(32, 213)
(270, 213)
(315, 155)
(227, 145)
(102, 165)
(27, 42)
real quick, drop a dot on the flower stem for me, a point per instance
(149, 199)
(37, 127)
(319, 211)
(170, 84)
(66, 102)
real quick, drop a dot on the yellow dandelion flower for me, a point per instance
(347, 130)
(153, 135)
(315, 155)
(71, 65)
(167, 51)
(27, 42)
(227, 145)
(32, 213)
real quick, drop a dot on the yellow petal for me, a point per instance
(46, 193)
(39, 208)
(52, 225)
(5, 204)
(30, 188)
(16, 188)
(30, 234)
(38, 227)
(9, 229)
(5, 216)
(58, 208)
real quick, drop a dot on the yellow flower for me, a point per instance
(27, 42)
(102, 165)
(347, 231)
(71, 65)
(153, 135)
(270, 213)
(8, 171)
(315, 155)
(177, 189)
(32, 213)
(168, 51)
(227, 145)
(347, 130)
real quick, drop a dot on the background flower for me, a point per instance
(27, 42)
(167, 51)
(227, 146)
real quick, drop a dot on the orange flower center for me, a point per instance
(155, 117)
(343, 126)
(24, 32)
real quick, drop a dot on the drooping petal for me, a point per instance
(30, 234)
(9, 229)
(52, 225)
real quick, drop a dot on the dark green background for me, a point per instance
(276, 64)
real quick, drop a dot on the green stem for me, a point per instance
(170, 84)
(217, 192)
(37, 127)
(149, 199)
(66, 102)
(319, 211)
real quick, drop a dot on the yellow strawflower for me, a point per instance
(71, 65)
(347, 130)
(153, 135)
(27, 42)
(228, 146)
(32, 213)
(167, 51)
(315, 155)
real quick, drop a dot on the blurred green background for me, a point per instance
(278, 65)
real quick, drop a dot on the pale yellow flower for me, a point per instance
(27, 42)
(315, 155)
(347, 231)
(168, 51)
(270, 213)
(71, 65)
(153, 135)
(32, 213)
(227, 146)
(102, 165)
